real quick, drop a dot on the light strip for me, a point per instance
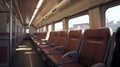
(36, 10)
(56, 7)
(39, 3)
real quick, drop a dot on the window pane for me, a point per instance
(40, 29)
(27, 30)
(58, 26)
(49, 28)
(81, 22)
(44, 28)
(37, 30)
(113, 18)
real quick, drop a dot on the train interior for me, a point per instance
(59, 33)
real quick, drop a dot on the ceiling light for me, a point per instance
(39, 3)
(36, 10)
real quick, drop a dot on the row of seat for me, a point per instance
(76, 49)
(39, 36)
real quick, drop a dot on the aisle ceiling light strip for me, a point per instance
(36, 10)
(55, 8)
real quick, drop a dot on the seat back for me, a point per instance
(56, 37)
(43, 35)
(94, 46)
(73, 41)
(39, 35)
(51, 35)
(63, 38)
(116, 52)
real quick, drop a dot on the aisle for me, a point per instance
(26, 56)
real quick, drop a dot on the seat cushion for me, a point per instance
(49, 50)
(56, 58)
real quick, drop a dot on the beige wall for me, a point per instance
(65, 24)
(95, 19)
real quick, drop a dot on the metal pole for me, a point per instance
(10, 36)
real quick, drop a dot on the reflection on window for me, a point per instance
(58, 26)
(27, 30)
(81, 22)
(113, 18)
(49, 28)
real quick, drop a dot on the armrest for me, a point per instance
(73, 54)
(98, 65)
(51, 45)
(65, 62)
(60, 48)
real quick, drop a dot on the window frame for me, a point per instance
(76, 16)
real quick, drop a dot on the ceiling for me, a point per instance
(26, 8)
(50, 10)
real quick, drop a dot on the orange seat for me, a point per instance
(53, 42)
(36, 38)
(115, 54)
(59, 45)
(43, 42)
(73, 43)
(43, 35)
(93, 49)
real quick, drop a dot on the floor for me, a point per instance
(26, 56)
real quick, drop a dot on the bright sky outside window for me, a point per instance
(41, 30)
(27, 30)
(49, 28)
(113, 17)
(44, 28)
(58, 26)
(81, 22)
(38, 30)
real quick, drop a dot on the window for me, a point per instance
(41, 29)
(38, 30)
(44, 28)
(49, 28)
(27, 30)
(58, 26)
(113, 18)
(81, 22)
